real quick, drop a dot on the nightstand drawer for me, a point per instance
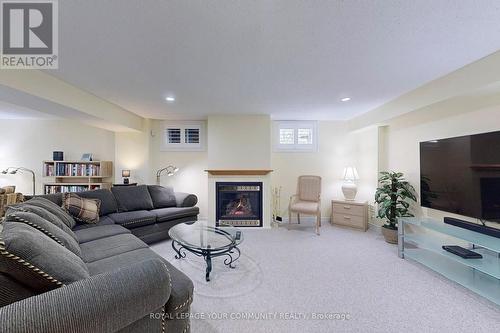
(349, 220)
(348, 209)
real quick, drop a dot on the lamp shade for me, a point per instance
(350, 173)
(125, 173)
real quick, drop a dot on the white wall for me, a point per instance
(27, 143)
(239, 142)
(403, 135)
(338, 148)
(140, 152)
(132, 152)
(191, 177)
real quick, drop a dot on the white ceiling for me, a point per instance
(291, 58)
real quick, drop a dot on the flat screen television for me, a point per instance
(461, 175)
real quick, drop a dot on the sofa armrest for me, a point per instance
(106, 302)
(185, 199)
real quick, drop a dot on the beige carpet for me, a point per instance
(341, 281)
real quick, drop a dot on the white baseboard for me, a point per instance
(306, 219)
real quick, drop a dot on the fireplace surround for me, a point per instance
(239, 203)
(241, 177)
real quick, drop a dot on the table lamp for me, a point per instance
(349, 187)
(125, 175)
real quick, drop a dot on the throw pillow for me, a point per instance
(82, 209)
(48, 228)
(163, 197)
(54, 209)
(32, 258)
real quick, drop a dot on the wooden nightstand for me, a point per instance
(352, 214)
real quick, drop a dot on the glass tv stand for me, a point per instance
(421, 239)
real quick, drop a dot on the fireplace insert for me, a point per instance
(239, 204)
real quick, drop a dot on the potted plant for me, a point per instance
(393, 197)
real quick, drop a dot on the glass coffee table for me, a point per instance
(207, 241)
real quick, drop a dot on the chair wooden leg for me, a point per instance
(298, 217)
(319, 216)
(318, 223)
(289, 217)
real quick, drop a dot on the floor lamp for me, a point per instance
(170, 170)
(14, 170)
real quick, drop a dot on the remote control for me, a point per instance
(238, 235)
(462, 252)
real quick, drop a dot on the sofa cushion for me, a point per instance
(99, 231)
(182, 287)
(132, 198)
(306, 207)
(82, 209)
(134, 219)
(54, 197)
(105, 220)
(120, 261)
(162, 197)
(43, 213)
(108, 201)
(110, 246)
(40, 263)
(48, 228)
(54, 209)
(172, 213)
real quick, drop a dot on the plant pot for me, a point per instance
(390, 235)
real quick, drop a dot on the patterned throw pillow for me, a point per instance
(83, 210)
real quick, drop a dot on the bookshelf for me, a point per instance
(76, 176)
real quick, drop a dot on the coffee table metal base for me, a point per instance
(208, 254)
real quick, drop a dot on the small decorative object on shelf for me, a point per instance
(349, 187)
(87, 157)
(125, 176)
(57, 155)
(77, 176)
(170, 170)
(393, 197)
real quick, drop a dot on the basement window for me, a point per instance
(183, 136)
(295, 136)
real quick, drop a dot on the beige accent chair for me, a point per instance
(307, 200)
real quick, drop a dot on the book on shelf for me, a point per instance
(51, 189)
(49, 170)
(75, 170)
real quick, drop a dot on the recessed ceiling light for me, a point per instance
(346, 99)
(170, 99)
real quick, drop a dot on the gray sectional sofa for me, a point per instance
(148, 211)
(57, 275)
